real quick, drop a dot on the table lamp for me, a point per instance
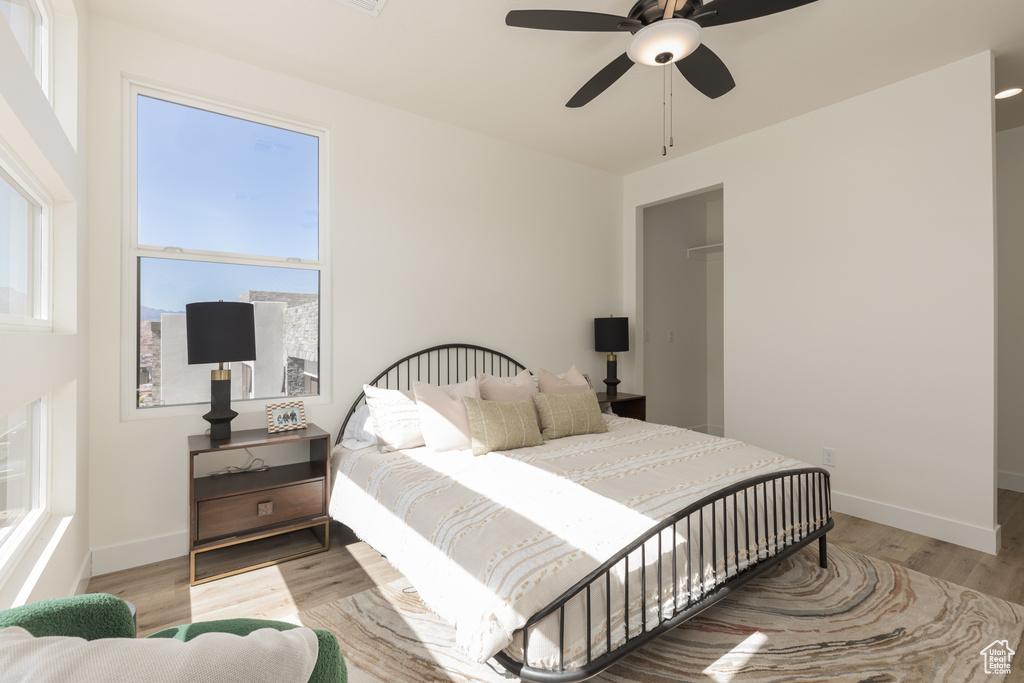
(611, 335)
(220, 332)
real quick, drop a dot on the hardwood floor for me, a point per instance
(163, 597)
(999, 575)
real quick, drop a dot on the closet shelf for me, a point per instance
(708, 252)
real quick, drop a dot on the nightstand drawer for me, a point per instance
(235, 514)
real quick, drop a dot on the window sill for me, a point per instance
(16, 548)
(244, 407)
(10, 323)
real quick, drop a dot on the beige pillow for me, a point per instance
(572, 382)
(443, 414)
(501, 425)
(396, 419)
(569, 414)
(522, 387)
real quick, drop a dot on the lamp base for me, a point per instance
(220, 415)
(612, 382)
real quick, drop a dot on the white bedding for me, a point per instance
(488, 541)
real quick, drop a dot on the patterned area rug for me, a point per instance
(862, 620)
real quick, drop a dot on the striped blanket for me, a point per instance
(488, 541)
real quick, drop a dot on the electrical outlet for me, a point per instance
(828, 456)
(671, 336)
(647, 335)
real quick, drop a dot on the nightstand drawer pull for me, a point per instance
(232, 515)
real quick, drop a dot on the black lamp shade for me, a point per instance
(220, 332)
(611, 335)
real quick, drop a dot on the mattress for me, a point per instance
(489, 541)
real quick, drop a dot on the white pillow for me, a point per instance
(359, 430)
(443, 414)
(396, 419)
(264, 655)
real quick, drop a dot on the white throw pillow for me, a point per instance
(263, 655)
(396, 419)
(359, 430)
(443, 414)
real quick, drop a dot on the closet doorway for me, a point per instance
(683, 266)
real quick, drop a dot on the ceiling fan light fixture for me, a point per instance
(664, 42)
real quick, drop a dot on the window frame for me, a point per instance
(41, 60)
(132, 251)
(41, 256)
(28, 528)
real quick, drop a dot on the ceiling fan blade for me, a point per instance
(706, 72)
(601, 81)
(566, 20)
(719, 12)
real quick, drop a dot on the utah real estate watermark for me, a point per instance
(998, 657)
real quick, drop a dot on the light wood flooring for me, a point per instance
(163, 597)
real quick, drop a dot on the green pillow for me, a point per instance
(569, 414)
(501, 425)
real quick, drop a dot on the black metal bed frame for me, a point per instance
(809, 503)
(763, 497)
(435, 363)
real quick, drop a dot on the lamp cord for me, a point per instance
(254, 465)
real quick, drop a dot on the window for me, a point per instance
(30, 23)
(23, 256)
(22, 486)
(227, 207)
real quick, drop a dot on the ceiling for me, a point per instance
(456, 61)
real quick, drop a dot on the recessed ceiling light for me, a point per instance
(1008, 93)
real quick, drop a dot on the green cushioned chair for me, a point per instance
(99, 615)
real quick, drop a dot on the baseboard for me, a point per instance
(114, 558)
(1011, 481)
(949, 530)
(84, 574)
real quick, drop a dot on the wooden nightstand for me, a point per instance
(239, 522)
(625, 405)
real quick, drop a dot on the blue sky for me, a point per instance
(217, 183)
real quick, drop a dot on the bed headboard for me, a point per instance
(439, 365)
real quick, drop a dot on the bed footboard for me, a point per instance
(675, 570)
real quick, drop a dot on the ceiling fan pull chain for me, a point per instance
(664, 113)
(671, 108)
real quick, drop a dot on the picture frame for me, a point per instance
(284, 417)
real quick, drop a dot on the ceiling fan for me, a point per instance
(663, 32)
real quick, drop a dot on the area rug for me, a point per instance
(861, 620)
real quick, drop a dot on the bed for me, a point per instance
(559, 559)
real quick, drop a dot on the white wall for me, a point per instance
(859, 294)
(438, 235)
(47, 141)
(1010, 218)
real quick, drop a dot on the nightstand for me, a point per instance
(625, 405)
(240, 522)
